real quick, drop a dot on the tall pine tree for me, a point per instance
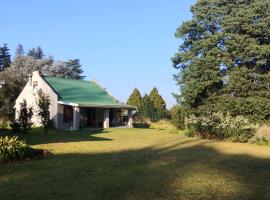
(36, 53)
(74, 69)
(157, 99)
(159, 103)
(5, 59)
(19, 50)
(224, 59)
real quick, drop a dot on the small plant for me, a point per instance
(178, 115)
(43, 111)
(4, 125)
(187, 132)
(11, 148)
(260, 140)
(173, 131)
(23, 123)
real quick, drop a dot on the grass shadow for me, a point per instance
(141, 125)
(189, 170)
(36, 136)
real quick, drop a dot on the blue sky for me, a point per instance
(122, 44)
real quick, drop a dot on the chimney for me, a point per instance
(30, 79)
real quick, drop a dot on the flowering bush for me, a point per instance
(219, 125)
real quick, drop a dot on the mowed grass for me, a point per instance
(136, 164)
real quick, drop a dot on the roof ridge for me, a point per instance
(68, 79)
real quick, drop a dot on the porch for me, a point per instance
(73, 117)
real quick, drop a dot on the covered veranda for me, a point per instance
(75, 116)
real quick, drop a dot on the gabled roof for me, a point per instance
(82, 93)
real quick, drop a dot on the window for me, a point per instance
(35, 84)
(68, 114)
(35, 87)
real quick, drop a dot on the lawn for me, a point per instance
(136, 164)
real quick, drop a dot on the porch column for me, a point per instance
(106, 121)
(76, 118)
(130, 119)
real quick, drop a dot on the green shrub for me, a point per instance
(25, 117)
(23, 124)
(178, 115)
(4, 125)
(174, 131)
(11, 148)
(259, 139)
(187, 132)
(220, 126)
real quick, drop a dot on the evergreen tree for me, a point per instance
(32, 53)
(39, 53)
(159, 103)
(147, 109)
(224, 58)
(36, 53)
(25, 116)
(19, 50)
(74, 69)
(135, 98)
(5, 58)
(157, 99)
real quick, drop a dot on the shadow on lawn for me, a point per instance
(189, 170)
(36, 136)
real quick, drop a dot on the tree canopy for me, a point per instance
(19, 50)
(36, 53)
(224, 58)
(157, 99)
(135, 98)
(151, 107)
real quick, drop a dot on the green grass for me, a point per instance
(136, 164)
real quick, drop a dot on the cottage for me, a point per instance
(75, 103)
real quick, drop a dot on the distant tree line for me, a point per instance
(149, 107)
(15, 73)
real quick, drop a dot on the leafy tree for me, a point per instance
(8, 94)
(5, 59)
(36, 53)
(56, 69)
(135, 98)
(24, 117)
(19, 50)
(22, 66)
(224, 60)
(71, 69)
(43, 111)
(158, 102)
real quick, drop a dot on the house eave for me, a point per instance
(120, 106)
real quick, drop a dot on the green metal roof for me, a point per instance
(83, 93)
